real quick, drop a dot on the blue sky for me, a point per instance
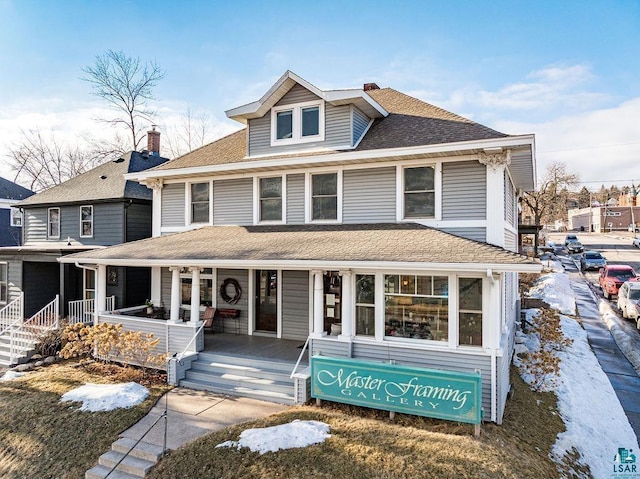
(567, 71)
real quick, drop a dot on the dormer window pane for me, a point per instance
(310, 121)
(284, 124)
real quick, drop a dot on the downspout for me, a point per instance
(494, 360)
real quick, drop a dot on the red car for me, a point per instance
(613, 275)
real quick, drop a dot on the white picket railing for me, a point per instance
(82, 310)
(12, 312)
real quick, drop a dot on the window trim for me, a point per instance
(189, 203)
(16, 213)
(4, 281)
(203, 276)
(296, 114)
(437, 188)
(257, 199)
(308, 196)
(82, 221)
(49, 210)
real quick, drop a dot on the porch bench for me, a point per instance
(228, 313)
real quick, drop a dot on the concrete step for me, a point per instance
(100, 472)
(212, 384)
(238, 360)
(131, 465)
(142, 450)
(258, 370)
(282, 385)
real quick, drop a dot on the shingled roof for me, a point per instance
(366, 243)
(411, 122)
(12, 191)
(104, 182)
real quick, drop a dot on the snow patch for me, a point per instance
(11, 375)
(106, 397)
(555, 289)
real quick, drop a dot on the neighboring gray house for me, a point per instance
(365, 223)
(90, 211)
(11, 216)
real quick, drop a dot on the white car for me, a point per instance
(628, 301)
(636, 242)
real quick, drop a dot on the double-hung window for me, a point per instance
(419, 192)
(16, 217)
(206, 287)
(365, 305)
(324, 197)
(4, 290)
(270, 191)
(86, 221)
(199, 202)
(298, 123)
(53, 223)
(470, 311)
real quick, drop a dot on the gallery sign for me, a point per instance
(450, 395)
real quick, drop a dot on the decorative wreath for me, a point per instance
(237, 291)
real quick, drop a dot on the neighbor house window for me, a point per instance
(16, 217)
(297, 123)
(470, 311)
(4, 289)
(417, 307)
(271, 199)
(200, 202)
(53, 229)
(86, 221)
(324, 196)
(419, 192)
(365, 305)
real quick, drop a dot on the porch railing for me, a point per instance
(82, 310)
(12, 312)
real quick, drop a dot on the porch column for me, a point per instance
(195, 296)
(175, 293)
(347, 306)
(101, 290)
(318, 304)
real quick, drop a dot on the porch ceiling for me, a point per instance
(309, 246)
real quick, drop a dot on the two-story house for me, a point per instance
(11, 216)
(90, 211)
(363, 223)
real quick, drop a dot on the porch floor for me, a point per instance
(261, 347)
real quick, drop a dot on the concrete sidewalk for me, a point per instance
(192, 414)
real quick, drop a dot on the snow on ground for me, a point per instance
(11, 375)
(596, 423)
(285, 436)
(105, 397)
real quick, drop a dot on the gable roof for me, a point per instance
(104, 182)
(314, 245)
(12, 191)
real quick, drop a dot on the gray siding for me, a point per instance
(138, 221)
(233, 202)
(173, 209)
(295, 305)
(509, 201)
(360, 123)
(478, 234)
(464, 191)
(242, 276)
(337, 126)
(14, 279)
(35, 225)
(295, 199)
(369, 196)
(510, 240)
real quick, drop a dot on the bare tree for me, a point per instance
(193, 131)
(41, 161)
(127, 85)
(549, 200)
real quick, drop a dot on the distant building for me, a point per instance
(11, 216)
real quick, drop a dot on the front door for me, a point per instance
(266, 300)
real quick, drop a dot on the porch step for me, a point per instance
(100, 472)
(265, 379)
(135, 466)
(139, 461)
(23, 353)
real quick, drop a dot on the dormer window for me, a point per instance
(299, 123)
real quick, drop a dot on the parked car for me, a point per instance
(633, 229)
(569, 238)
(592, 260)
(575, 247)
(629, 301)
(613, 275)
(636, 242)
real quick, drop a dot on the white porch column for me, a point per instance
(318, 304)
(496, 161)
(156, 218)
(101, 290)
(195, 296)
(156, 285)
(347, 306)
(175, 293)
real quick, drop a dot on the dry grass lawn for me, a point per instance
(42, 438)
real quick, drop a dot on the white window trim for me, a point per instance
(256, 200)
(308, 213)
(81, 221)
(16, 213)
(437, 186)
(296, 120)
(188, 211)
(484, 310)
(6, 282)
(189, 275)
(49, 210)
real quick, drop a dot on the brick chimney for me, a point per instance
(153, 141)
(370, 86)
